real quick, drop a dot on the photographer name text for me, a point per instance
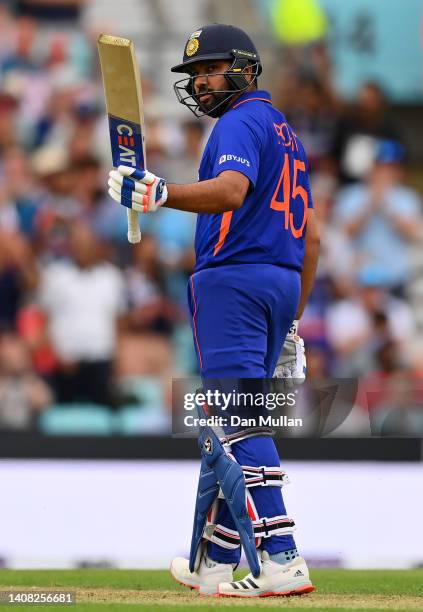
(237, 421)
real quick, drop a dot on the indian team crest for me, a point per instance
(192, 46)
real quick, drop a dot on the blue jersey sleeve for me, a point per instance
(236, 146)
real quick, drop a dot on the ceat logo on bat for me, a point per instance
(125, 141)
(236, 158)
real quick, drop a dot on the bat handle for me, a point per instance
(134, 232)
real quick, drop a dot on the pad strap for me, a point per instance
(263, 528)
(277, 525)
(264, 476)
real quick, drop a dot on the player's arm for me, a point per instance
(291, 364)
(311, 256)
(144, 192)
(355, 225)
(225, 192)
(409, 228)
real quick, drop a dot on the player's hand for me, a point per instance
(137, 189)
(291, 364)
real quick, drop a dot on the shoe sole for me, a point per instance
(300, 591)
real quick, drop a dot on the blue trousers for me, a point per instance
(240, 315)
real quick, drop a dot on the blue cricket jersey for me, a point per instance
(254, 138)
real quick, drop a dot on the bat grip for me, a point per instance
(134, 232)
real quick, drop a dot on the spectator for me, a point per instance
(183, 163)
(65, 11)
(144, 344)
(85, 116)
(8, 123)
(393, 393)
(358, 130)
(174, 230)
(18, 276)
(32, 328)
(9, 220)
(23, 191)
(362, 321)
(314, 117)
(83, 298)
(58, 207)
(335, 272)
(382, 217)
(106, 220)
(7, 24)
(21, 56)
(337, 259)
(55, 126)
(150, 310)
(22, 393)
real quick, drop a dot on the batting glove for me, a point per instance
(291, 364)
(137, 189)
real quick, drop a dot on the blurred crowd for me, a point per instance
(86, 319)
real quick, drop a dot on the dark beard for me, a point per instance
(216, 100)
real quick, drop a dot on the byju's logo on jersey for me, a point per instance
(236, 158)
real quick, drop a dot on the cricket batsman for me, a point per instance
(256, 254)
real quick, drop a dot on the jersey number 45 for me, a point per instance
(289, 193)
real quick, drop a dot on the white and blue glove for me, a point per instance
(139, 190)
(291, 364)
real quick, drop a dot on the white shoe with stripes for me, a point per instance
(275, 579)
(206, 579)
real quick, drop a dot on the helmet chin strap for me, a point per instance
(235, 74)
(220, 108)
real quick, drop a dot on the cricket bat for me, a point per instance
(122, 89)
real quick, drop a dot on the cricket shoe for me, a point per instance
(275, 579)
(207, 577)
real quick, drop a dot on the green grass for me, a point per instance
(341, 590)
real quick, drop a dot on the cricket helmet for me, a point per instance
(217, 42)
